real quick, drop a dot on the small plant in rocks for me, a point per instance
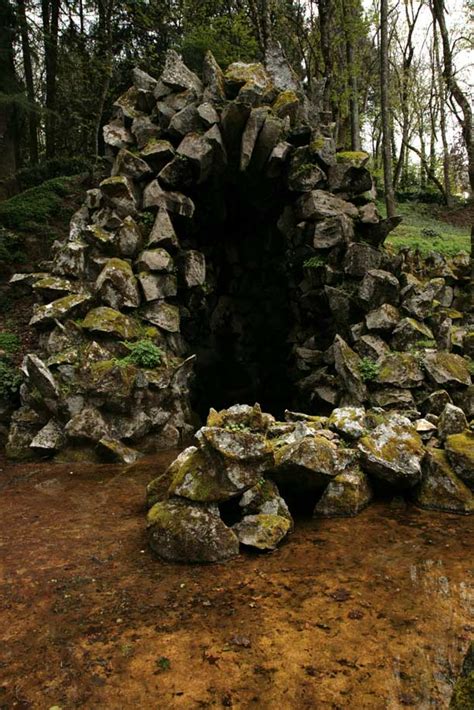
(368, 369)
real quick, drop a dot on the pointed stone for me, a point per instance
(162, 232)
(252, 129)
(155, 196)
(177, 75)
(213, 78)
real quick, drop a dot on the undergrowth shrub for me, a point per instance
(143, 353)
(368, 369)
(36, 206)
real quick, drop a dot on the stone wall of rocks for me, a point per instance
(153, 257)
(332, 463)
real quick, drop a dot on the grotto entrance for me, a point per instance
(239, 330)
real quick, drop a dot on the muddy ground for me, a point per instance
(372, 612)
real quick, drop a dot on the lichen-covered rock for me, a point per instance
(59, 309)
(348, 365)
(332, 232)
(460, 451)
(157, 286)
(236, 445)
(410, 333)
(378, 287)
(41, 378)
(264, 498)
(177, 75)
(120, 195)
(88, 424)
(50, 438)
(371, 346)
(440, 488)
(361, 257)
(346, 495)
(392, 398)
(399, 370)
(384, 318)
(348, 421)
(452, 420)
(315, 459)
(183, 531)
(117, 285)
(110, 321)
(447, 369)
(241, 417)
(155, 260)
(319, 204)
(393, 452)
(164, 315)
(118, 451)
(155, 197)
(130, 165)
(435, 402)
(264, 531)
(194, 268)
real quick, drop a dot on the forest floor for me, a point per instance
(429, 227)
(373, 612)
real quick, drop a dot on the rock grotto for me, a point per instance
(234, 256)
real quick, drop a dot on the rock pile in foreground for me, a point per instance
(225, 491)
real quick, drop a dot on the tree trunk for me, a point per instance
(50, 16)
(8, 87)
(442, 99)
(105, 54)
(349, 22)
(30, 88)
(385, 111)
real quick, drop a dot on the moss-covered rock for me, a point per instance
(109, 321)
(59, 309)
(263, 531)
(241, 417)
(264, 498)
(393, 452)
(460, 451)
(400, 370)
(346, 495)
(348, 421)
(183, 531)
(440, 488)
(445, 368)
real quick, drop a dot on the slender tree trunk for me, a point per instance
(50, 15)
(385, 111)
(442, 99)
(8, 87)
(105, 54)
(465, 120)
(349, 22)
(30, 87)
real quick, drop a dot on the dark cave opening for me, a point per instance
(240, 330)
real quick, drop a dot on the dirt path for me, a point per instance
(373, 612)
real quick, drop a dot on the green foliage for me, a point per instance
(146, 219)
(230, 39)
(143, 353)
(10, 380)
(36, 206)
(426, 343)
(314, 262)
(9, 342)
(368, 369)
(49, 169)
(11, 251)
(163, 663)
(237, 426)
(420, 223)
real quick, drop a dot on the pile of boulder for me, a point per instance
(368, 327)
(246, 458)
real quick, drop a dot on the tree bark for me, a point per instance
(30, 87)
(50, 15)
(8, 87)
(350, 20)
(385, 111)
(442, 99)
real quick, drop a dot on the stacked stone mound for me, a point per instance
(245, 456)
(136, 267)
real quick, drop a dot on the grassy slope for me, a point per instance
(422, 229)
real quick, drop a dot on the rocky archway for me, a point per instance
(216, 264)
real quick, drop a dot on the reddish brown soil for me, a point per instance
(460, 217)
(372, 612)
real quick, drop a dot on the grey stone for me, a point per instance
(157, 286)
(319, 204)
(361, 257)
(49, 438)
(155, 260)
(385, 318)
(346, 495)
(452, 420)
(175, 202)
(447, 369)
(164, 315)
(347, 364)
(88, 424)
(194, 268)
(409, 333)
(177, 75)
(377, 288)
(263, 531)
(117, 285)
(182, 531)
